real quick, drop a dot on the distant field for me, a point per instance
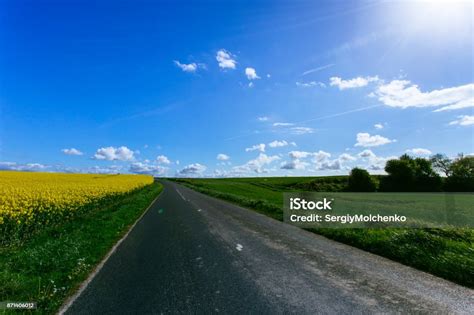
(448, 253)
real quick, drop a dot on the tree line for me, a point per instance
(408, 174)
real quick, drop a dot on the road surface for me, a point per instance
(191, 253)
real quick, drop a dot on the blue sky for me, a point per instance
(239, 88)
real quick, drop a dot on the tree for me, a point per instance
(400, 175)
(441, 163)
(461, 174)
(360, 180)
(408, 174)
(426, 179)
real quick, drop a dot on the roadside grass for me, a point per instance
(447, 253)
(48, 267)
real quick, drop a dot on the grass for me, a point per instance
(447, 253)
(49, 266)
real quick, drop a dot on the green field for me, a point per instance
(448, 253)
(49, 266)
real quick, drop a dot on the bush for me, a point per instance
(360, 180)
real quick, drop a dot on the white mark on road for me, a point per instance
(199, 210)
(181, 195)
(239, 247)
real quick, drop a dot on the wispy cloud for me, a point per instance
(310, 84)
(339, 114)
(301, 130)
(282, 124)
(357, 42)
(257, 147)
(147, 113)
(464, 120)
(318, 69)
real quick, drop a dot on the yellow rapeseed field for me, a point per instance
(30, 199)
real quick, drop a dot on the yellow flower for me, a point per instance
(39, 198)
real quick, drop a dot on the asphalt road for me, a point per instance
(191, 253)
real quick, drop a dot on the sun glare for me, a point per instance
(442, 19)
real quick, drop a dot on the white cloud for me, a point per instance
(162, 159)
(192, 169)
(111, 154)
(403, 94)
(145, 168)
(251, 74)
(279, 144)
(113, 169)
(366, 140)
(295, 164)
(464, 120)
(260, 147)
(329, 165)
(12, 166)
(366, 154)
(378, 126)
(250, 85)
(321, 160)
(190, 67)
(299, 154)
(351, 83)
(318, 156)
(419, 151)
(282, 124)
(346, 157)
(225, 59)
(375, 163)
(223, 157)
(263, 118)
(71, 151)
(256, 165)
(321, 156)
(301, 130)
(310, 84)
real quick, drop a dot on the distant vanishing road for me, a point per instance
(191, 253)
